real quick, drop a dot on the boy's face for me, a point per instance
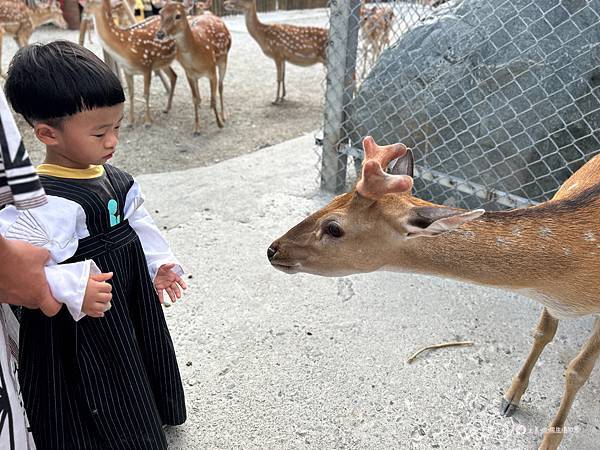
(84, 139)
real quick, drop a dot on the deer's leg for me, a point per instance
(161, 75)
(365, 57)
(129, 81)
(544, 333)
(196, 99)
(213, 96)
(222, 67)
(279, 68)
(22, 36)
(90, 28)
(82, 29)
(172, 79)
(577, 373)
(147, 79)
(282, 80)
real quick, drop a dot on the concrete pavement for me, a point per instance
(272, 361)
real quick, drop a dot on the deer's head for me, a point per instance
(239, 5)
(93, 6)
(52, 13)
(173, 19)
(378, 224)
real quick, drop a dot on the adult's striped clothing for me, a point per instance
(19, 184)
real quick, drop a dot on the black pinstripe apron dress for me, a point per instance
(102, 383)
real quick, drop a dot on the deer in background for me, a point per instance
(136, 51)
(123, 16)
(302, 46)
(376, 25)
(193, 7)
(19, 21)
(549, 252)
(203, 43)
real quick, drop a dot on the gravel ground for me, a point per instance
(250, 85)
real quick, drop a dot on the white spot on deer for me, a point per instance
(573, 186)
(517, 231)
(567, 251)
(502, 242)
(589, 236)
(466, 234)
(545, 232)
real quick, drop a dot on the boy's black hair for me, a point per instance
(48, 82)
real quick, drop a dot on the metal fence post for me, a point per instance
(341, 62)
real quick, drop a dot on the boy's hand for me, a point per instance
(96, 300)
(169, 281)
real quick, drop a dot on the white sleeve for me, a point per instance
(56, 226)
(156, 248)
(68, 283)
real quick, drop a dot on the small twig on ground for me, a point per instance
(442, 345)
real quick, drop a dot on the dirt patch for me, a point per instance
(252, 121)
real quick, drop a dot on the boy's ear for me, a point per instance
(46, 134)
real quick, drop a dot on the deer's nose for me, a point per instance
(272, 250)
(160, 34)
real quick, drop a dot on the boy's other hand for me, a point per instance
(22, 278)
(98, 295)
(167, 280)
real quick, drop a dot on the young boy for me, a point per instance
(109, 379)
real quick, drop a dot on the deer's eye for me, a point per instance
(177, 16)
(334, 230)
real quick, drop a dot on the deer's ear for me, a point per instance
(429, 221)
(403, 165)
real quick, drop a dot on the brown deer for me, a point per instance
(203, 43)
(136, 51)
(121, 13)
(19, 21)
(376, 26)
(302, 46)
(549, 252)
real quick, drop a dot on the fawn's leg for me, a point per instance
(147, 79)
(172, 81)
(544, 333)
(577, 373)
(83, 25)
(196, 99)
(213, 96)
(282, 80)
(129, 81)
(279, 68)
(222, 68)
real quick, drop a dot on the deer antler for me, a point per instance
(375, 182)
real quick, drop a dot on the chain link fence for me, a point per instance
(499, 99)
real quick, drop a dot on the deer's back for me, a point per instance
(586, 177)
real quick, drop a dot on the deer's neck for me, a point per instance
(515, 250)
(254, 25)
(185, 40)
(40, 17)
(104, 23)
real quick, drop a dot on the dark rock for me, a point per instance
(503, 94)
